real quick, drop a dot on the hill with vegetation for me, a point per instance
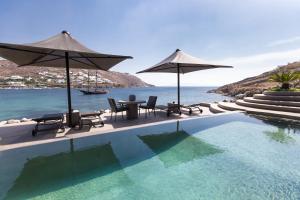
(255, 84)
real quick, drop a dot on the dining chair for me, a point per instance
(150, 105)
(115, 109)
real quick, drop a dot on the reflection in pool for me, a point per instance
(71, 170)
(224, 157)
(178, 147)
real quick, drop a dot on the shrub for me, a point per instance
(285, 78)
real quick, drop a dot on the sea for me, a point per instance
(31, 103)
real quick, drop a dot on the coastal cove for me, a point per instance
(30, 103)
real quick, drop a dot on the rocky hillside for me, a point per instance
(255, 84)
(12, 76)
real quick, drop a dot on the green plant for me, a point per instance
(278, 89)
(285, 78)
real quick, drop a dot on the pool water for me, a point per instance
(224, 157)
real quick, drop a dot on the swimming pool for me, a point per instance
(224, 157)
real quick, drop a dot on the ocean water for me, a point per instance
(35, 102)
(228, 157)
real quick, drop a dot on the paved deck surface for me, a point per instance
(19, 135)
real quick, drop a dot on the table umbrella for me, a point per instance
(180, 62)
(60, 51)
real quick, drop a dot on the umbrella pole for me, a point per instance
(69, 89)
(178, 88)
(96, 81)
(88, 80)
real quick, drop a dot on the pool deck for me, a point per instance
(19, 135)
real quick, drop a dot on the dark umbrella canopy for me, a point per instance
(51, 53)
(59, 51)
(180, 62)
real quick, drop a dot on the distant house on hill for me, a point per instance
(15, 77)
(60, 81)
(16, 84)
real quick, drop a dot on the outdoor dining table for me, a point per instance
(132, 112)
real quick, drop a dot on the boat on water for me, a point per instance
(90, 92)
(94, 91)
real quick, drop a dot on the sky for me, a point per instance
(254, 36)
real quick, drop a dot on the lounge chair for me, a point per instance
(115, 109)
(192, 107)
(173, 108)
(150, 105)
(164, 108)
(91, 119)
(170, 108)
(49, 122)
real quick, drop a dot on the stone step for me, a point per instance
(277, 98)
(214, 108)
(272, 102)
(204, 104)
(230, 106)
(281, 93)
(272, 113)
(268, 107)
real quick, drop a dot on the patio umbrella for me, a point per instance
(181, 63)
(60, 51)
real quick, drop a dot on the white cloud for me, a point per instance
(272, 58)
(284, 41)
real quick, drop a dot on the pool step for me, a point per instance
(277, 98)
(268, 107)
(272, 102)
(250, 110)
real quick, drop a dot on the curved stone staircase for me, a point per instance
(277, 104)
